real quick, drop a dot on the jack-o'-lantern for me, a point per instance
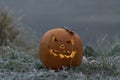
(60, 48)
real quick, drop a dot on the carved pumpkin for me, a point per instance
(60, 48)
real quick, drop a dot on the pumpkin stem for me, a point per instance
(68, 30)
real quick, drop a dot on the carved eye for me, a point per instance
(71, 42)
(54, 39)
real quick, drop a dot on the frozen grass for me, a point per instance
(13, 33)
(8, 28)
(102, 61)
(18, 65)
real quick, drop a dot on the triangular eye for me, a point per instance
(54, 39)
(71, 42)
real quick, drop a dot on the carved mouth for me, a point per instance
(61, 54)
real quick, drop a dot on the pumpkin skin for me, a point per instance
(60, 48)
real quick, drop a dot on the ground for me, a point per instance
(19, 65)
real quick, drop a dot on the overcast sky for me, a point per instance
(75, 11)
(66, 10)
(64, 6)
(79, 14)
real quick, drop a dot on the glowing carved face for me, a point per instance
(62, 50)
(60, 47)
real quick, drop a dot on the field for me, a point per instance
(19, 65)
(100, 62)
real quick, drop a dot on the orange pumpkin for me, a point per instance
(60, 48)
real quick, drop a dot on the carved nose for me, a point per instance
(62, 46)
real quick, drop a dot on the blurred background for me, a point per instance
(91, 19)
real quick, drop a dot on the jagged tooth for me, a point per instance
(67, 56)
(73, 54)
(61, 56)
(68, 52)
(51, 51)
(54, 54)
(55, 51)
